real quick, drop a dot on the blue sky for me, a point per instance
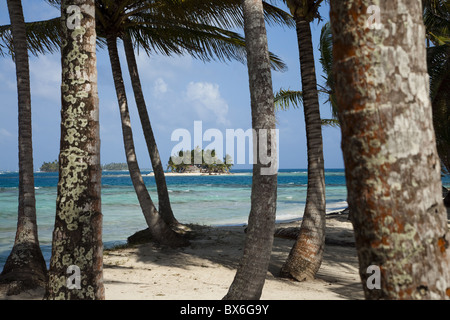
(178, 90)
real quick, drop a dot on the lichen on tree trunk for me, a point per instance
(391, 162)
(77, 236)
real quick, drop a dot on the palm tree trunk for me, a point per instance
(25, 265)
(77, 236)
(305, 257)
(160, 231)
(391, 161)
(250, 276)
(165, 209)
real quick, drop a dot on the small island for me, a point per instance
(50, 166)
(188, 162)
(54, 166)
(115, 166)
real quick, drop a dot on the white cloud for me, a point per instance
(159, 87)
(206, 100)
(45, 74)
(158, 66)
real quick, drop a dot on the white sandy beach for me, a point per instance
(205, 269)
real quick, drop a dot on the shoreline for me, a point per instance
(205, 269)
(193, 174)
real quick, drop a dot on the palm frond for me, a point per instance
(284, 99)
(179, 36)
(330, 123)
(42, 37)
(276, 16)
(326, 60)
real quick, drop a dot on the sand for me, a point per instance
(205, 269)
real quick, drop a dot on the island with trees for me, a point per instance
(54, 166)
(115, 166)
(50, 166)
(199, 161)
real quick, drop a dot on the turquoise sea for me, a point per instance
(208, 200)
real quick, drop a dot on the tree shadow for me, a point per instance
(223, 246)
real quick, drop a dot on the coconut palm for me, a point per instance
(198, 39)
(389, 147)
(251, 273)
(77, 236)
(146, 23)
(219, 42)
(306, 255)
(25, 267)
(437, 21)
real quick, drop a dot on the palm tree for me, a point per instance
(77, 236)
(160, 230)
(305, 257)
(197, 38)
(145, 23)
(437, 20)
(250, 276)
(25, 267)
(165, 209)
(391, 160)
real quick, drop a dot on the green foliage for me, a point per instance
(188, 161)
(197, 27)
(436, 18)
(115, 166)
(50, 166)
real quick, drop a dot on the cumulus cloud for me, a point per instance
(45, 74)
(206, 100)
(159, 87)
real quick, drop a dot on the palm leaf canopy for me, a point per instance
(197, 27)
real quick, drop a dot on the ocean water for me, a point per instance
(207, 200)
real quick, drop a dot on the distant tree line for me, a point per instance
(196, 160)
(115, 166)
(50, 166)
(54, 166)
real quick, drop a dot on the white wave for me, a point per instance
(336, 206)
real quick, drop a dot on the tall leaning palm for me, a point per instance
(191, 31)
(305, 257)
(145, 24)
(25, 265)
(202, 40)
